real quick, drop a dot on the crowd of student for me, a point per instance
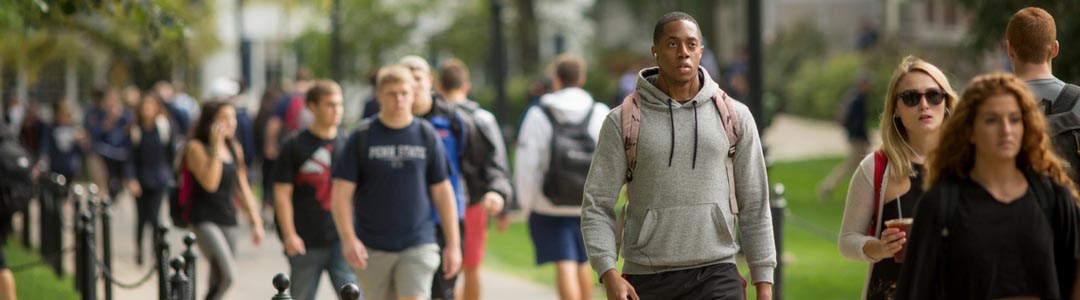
(969, 196)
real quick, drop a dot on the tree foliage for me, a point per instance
(38, 31)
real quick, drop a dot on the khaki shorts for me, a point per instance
(408, 273)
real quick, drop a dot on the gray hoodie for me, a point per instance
(678, 215)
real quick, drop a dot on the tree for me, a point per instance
(131, 33)
(990, 17)
(527, 37)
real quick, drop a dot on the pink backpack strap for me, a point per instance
(730, 119)
(631, 124)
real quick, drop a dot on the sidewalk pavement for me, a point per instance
(796, 138)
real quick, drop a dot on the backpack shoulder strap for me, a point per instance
(460, 127)
(950, 195)
(1068, 98)
(730, 119)
(880, 160)
(631, 124)
(549, 114)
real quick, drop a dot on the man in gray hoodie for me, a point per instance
(679, 235)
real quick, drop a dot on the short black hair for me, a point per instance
(668, 18)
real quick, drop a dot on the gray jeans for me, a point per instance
(218, 244)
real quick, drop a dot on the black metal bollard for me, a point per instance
(778, 205)
(161, 255)
(80, 196)
(190, 257)
(281, 283)
(106, 240)
(89, 285)
(35, 192)
(46, 184)
(179, 281)
(349, 291)
(52, 219)
(44, 191)
(56, 229)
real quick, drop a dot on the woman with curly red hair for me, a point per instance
(1000, 217)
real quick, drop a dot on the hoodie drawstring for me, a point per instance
(693, 165)
(671, 116)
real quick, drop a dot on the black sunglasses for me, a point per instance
(911, 98)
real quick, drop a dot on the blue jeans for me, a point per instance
(307, 270)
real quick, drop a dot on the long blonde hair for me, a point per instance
(893, 134)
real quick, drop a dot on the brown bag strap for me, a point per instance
(631, 124)
(730, 119)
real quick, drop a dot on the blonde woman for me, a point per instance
(888, 182)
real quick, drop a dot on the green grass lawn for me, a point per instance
(814, 268)
(38, 282)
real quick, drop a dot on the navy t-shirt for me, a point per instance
(392, 169)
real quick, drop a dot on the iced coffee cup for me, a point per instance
(904, 225)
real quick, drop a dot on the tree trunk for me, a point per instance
(528, 37)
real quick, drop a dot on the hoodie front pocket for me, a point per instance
(683, 236)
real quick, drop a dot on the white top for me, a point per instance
(534, 146)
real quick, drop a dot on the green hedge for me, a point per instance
(816, 90)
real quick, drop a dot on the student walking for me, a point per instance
(1032, 46)
(150, 169)
(456, 132)
(690, 158)
(554, 150)
(390, 176)
(485, 170)
(65, 143)
(1000, 220)
(888, 182)
(215, 161)
(852, 116)
(302, 184)
(107, 123)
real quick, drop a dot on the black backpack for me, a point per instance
(571, 155)
(15, 169)
(1063, 126)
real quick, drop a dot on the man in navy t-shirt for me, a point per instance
(391, 174)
